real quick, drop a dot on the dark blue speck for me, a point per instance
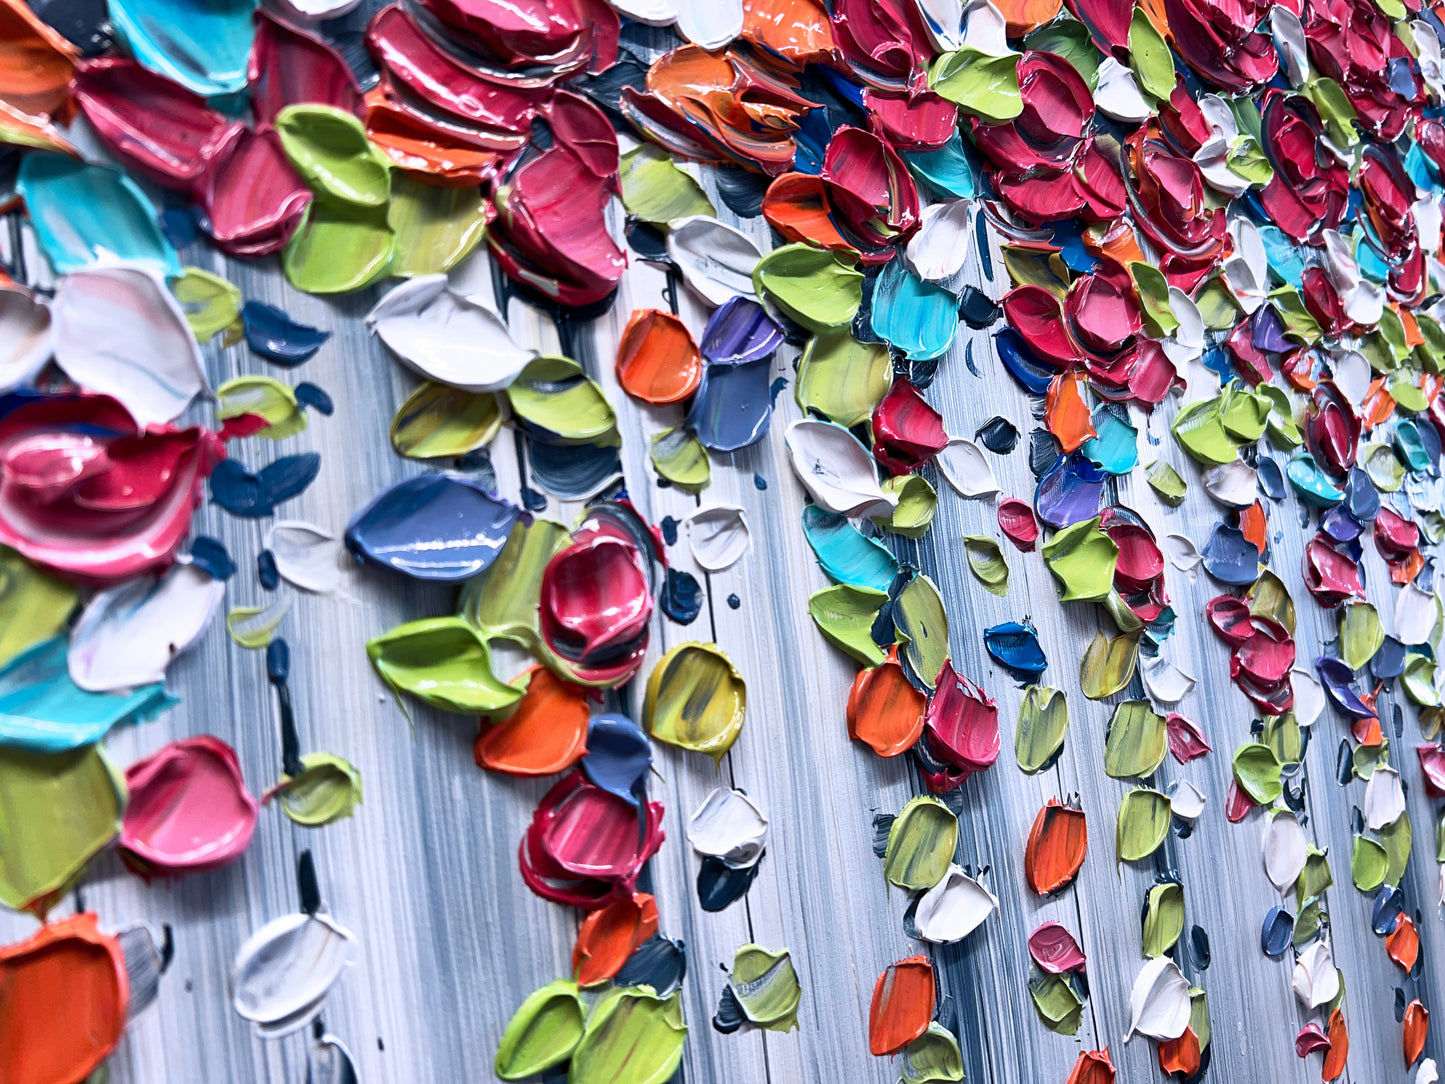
(734, 602)
(211, 557)
(669, 530)
(266, 570)
(760, 481)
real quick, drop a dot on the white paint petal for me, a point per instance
(729, 826)
(1117, 94)
(967, 470)
(716, 260)
(1186, 801)
(118, 331)
(1352, 375)
(718, 536)
(1384, 798)
(306, 555)
(943, 22)
(1234, 485)
(651, 12)
(1315, 981)
(1427, 1073)
(447, 337)
(1289, 39)
(1284, 851)
(710, 24)
(1165, 682)
(127, 635)
(284, 970)
(1416, 611)
(25, 336)
(837, 471)
(1309, 697)
(1186, 342)
(1247, 271)
(319, 9)
(953, 908)
(939, 250)
(1159, 1002)
(1183, 554)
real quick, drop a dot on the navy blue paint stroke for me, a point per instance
(733, 406)
(729, 1016)
(443, 528)
(681, 597)
(1271, 478)
(1362, 499)
(1388, 907)
(242, 493)
(659, 962)
(210, 556)
(1388, 662)
(998, 435)
(1230, 557)
(266, 570)
(1015, 646)
(574, 472)
(309, 395)
(1338, 680)
(272, 333)
(719, 885)
(618, 756)
(1031, 374)
(1277, 933)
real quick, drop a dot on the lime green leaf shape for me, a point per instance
(265, 397)
(1143, 824)
(841, 378)
(983, 85)
(1163, 918)
(1082, 558)
(1137, 741)
(845, 615)
(543, 1032)
(921, 844)
(767, 987)
(439, 422)
(444, 662)
(655, 190)
(36, 605)
(327, 790)
(1042, 727)
(329, 149)
(554, 394)
(1257, 770)
(696, 700)
(813, 286)
(632, 1036)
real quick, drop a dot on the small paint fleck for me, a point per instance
(266, 570)
(534, 501)
(669, 530)
(760, 481)
(734, 602)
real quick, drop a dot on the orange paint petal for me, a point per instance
(546, 732)
(1057, 845)
(884, 709)
(1367, 732)
(609, 936)
(797, 206)
(657, 359)
(797, 30)
(1024, 16)
(63, 995)
(1416, 1028)
(1180, 1055)
(36, 64)
(1405, 571)
(446, 158)
(1116, 242)
(1254, 525)
(1066, 413)
(1093, 1067)
(1339, 1048)
(902, 1005)
(1403, 944)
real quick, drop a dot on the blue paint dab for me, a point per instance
(669, 530)
(309, 395)
(266, 570)
(777, 389)
(242, 493)
(734, 602)
(278, 661)
(618, 756)
(759, 482)
(681, 597)
(659, 962)
(534, 501)
(210, 556)
(271, 333)
(1015, 646)
(1278, 932)
(719, 885)
(985, 255)
(968, 358)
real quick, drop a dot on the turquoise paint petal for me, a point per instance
(43, 711)
(1116, 448)
(84, 215)
(201, 44)
(1284, 258)
(920, 318)
(947, 171)
(1312, 484)
(845, 553)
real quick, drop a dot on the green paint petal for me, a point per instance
(696, 699)
(1199, 1017)
(813, 286)
(655, 190)
(1361, 635)
(632, 1037)
(504, 598)
(679, 456)
(1082, 558)
(1058, 1003)
(1368, 865)
(1137, 741)
(986, 562)
(329, 148)
(438, 422)
(543, 1032)
(1108, 664)
(444, 662)
(841, 378)
(211, 304)
(56, 812)
(845, 615)
(1397, 838)
(1043, 724)
(921, 844)
(1070, 39)
(1199, 430)
(1299, 324)
(986, 86)
(1150, 58)
(1315, 878)
(917, 502)
(1143, 824)
(327, 790)
(338, 249)
(554, 394)
(1418, 680)
(1269, 597)
(253, 627)
(1244, 414)
(1257, 771)
(264, 397)
(1163, 918)
(1153, 289)
(923, 627)
(933, 1058)
(436, 226)
(36, 605)
(1283, 734)
(1166, 482)
(767, 988)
